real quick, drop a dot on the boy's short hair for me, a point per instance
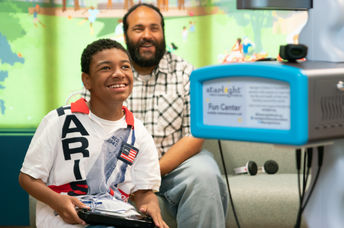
(95, 47)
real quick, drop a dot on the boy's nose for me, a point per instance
(118, 73)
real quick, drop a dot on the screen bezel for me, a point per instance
(298, 132)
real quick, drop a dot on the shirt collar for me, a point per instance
(80, 106)
(164, 63)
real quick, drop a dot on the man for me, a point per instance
(191, 181)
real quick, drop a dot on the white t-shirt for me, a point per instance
(76, 153)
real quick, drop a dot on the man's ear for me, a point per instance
(86, 80)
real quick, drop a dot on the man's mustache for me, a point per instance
(146, 41)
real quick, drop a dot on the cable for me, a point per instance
(307, 163)
(320, 161)
(298, 167)
(304, 174)
(229, 191)
(308, 157)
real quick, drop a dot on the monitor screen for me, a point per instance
(275, 4)
(247, 102)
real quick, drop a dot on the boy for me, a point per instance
(93, 154)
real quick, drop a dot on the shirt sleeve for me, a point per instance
(188, 68)
(146, 171)
(40, 156)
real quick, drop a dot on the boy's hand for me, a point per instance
(147, 203)
(65, 207)
(154, 212)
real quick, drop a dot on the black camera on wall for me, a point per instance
(292, 52)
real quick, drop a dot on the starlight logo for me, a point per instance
(233, 91)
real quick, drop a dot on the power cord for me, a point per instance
(307, 163)
(229, 191)
(307, 157)
(320, 150)
(298, 168)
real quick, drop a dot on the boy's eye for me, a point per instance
(105, 68)
(126, 67)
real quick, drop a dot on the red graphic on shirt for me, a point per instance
(73, 189)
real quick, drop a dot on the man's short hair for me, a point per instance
(134, 7)
(95, 47)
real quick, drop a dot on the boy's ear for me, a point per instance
(86, 80)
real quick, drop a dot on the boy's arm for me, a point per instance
(147, 202)
(64, 205)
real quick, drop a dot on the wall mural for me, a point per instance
(41, 42)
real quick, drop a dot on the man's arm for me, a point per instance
(147, 202)
(185, 148)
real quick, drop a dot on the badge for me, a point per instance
(128, 153)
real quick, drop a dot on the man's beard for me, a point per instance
(134, 51)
